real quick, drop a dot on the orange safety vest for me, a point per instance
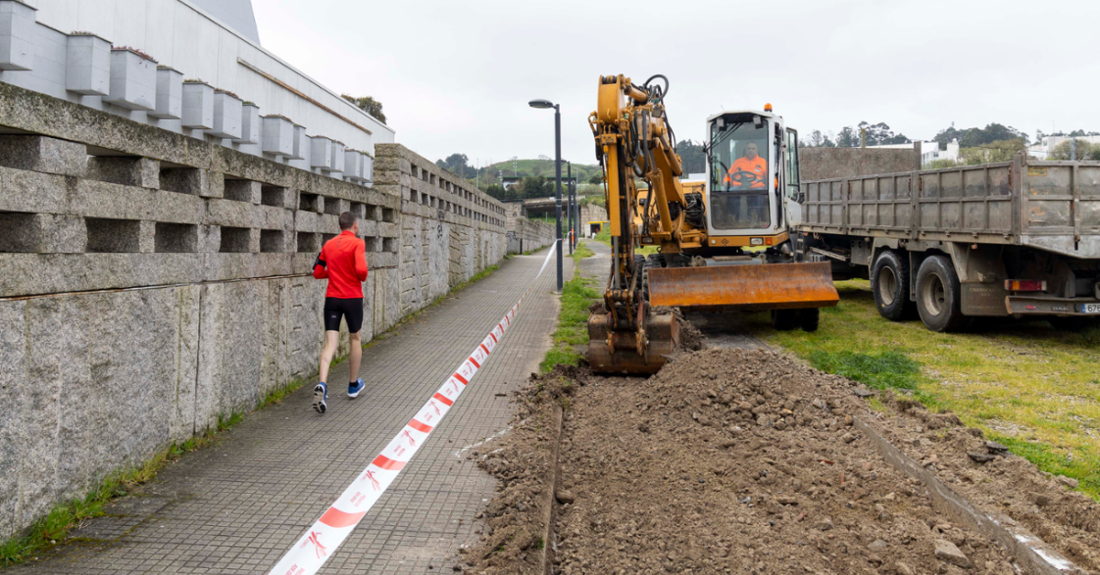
(757, 165)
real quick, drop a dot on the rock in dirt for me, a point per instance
(947, 551)
(995, 447)
(981, 457)
(565, 497)
(1068, 481)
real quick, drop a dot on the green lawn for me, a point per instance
(1030, 387)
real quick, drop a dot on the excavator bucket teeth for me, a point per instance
(747, 287)
(616, 352)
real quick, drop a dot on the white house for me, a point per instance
(930, 151)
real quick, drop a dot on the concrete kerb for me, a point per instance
(1028, 549)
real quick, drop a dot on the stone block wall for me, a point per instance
(150, 283)
(827, 163)
(450, 230)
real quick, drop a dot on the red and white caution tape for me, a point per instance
(323, 538)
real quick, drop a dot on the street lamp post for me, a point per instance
(569, 204)
(542, 105)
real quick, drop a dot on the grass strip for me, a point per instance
(49, 530)
(1023, 383)
(572, 331)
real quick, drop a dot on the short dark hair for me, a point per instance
(347, 220)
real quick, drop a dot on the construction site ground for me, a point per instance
(743, 459)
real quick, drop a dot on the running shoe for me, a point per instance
(354, 389)
(320, 395)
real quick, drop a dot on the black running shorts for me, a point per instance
(336, 308)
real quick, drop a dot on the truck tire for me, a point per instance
(785, 319)
(890, 286)
(809, 318)
(939, 295)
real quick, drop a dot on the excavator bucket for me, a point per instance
(746, 287)
(616, 352)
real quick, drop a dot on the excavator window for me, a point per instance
(792, 164)
(739, 175)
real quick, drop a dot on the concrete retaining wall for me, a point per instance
(525, 235)
(826, 163)
(150, 283)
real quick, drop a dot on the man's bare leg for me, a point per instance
(355, 341)
(320, 393)
(329, 352)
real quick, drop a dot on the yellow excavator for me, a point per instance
(724, 245)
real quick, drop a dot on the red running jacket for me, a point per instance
(343, 261)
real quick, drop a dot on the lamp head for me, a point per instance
(541, 104)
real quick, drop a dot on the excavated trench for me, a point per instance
(748, 461)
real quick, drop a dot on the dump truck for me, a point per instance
(725, 244)
(1018, 238)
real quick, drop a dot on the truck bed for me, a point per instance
(1052, 206)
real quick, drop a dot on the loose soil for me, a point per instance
(746, 461)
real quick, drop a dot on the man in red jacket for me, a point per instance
(343, 261)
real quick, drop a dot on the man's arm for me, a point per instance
(320, 267)
(361, 261)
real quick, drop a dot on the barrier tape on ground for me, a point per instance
(323, 538)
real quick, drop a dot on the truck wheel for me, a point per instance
(809, 318)
(890, 286)
(785, 319)
(938, 295)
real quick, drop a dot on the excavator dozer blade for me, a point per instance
(616, 352)
(745, 287)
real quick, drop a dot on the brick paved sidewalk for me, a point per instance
(238, 506)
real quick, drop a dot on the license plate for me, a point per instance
(1090, 308)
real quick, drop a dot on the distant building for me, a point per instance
(509, 181)
(929, 151)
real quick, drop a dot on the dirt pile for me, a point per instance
(743, 461)
(738, 461)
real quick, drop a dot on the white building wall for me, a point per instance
(183, 36)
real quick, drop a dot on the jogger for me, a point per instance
(343, 261)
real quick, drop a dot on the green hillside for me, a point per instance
(545, 168)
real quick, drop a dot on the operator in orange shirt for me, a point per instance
(749, 171)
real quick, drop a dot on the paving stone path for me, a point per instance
(238, 506)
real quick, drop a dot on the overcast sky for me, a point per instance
(456, 76)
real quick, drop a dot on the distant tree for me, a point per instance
(544, 158)
(1081, 133)
(973, 137)
(997, 151)
(940, 164)
(458, 164)
(368, 105)
(1085, 151)
(880, 134)
(596, 178)
(847, 138)
(535, 187)
(691, 156)
(817, 139)
(496, 191)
